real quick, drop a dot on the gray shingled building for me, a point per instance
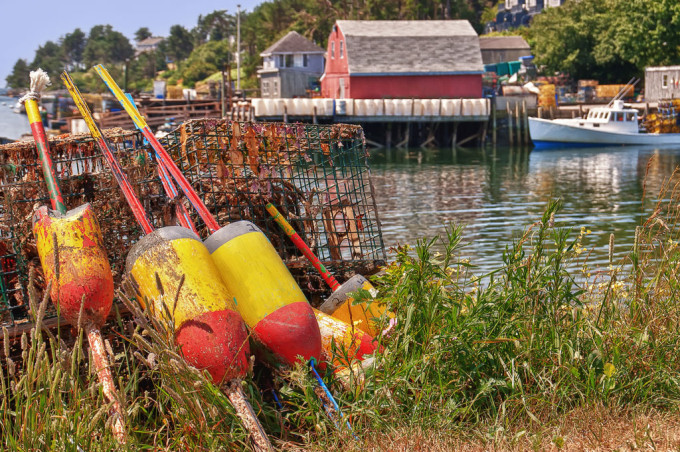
(291, 66)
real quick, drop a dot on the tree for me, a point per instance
(105, 45)
(608, 40)
(50, 58)
(205, 61)
(142, 34)
(178, 45)
(216, 26)
(19, 78)
(72, 47)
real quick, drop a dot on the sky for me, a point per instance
(26, 26)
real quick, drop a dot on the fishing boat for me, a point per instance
(613, 124)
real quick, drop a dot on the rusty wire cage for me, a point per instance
(317, 176)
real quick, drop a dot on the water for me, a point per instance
(497, 195)
(12, 125)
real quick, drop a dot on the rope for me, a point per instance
(39, 80)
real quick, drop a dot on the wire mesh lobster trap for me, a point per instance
(317, 176)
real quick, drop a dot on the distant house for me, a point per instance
(402, 59)
(497, 49)
(291, 66)
(517, 13)
(148, 45)
(662, 82)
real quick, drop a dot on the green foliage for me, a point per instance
(204, 61)
(106, 46)
(142, 33)
(49, 57)
(609, 40)
(19, 77)
(73, 48)
(216, 26)
(178, 45)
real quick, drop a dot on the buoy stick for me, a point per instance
(169, 186)
(302, 246)
(244, 410)
(39, 80)
(123, 182)
(140, 122)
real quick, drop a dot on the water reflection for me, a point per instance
(496, 194)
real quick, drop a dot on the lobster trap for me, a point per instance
(317, 176)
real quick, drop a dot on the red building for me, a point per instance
(375, 59)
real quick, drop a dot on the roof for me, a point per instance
(150, 41)
(293, 42)
(400, 47)
(503, 43)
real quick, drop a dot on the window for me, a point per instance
(265, 88)
(305, 60)
(342, 49)
(289, 61)
(275, 91)
(282, 61)
(630, 116)
(333, 49)
(297, 60)
(664, 82)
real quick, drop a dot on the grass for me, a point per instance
(542, 353)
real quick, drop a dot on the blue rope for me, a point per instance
(312, 363)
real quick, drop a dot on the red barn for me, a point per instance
(374, 59)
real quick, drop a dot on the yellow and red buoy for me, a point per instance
(266, 294)
(192, 299)
(341, 343)
(76, 263)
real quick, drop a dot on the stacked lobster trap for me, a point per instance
(317, 176)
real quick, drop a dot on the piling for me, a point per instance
(525, 121)
(494, 125)
(518, 124)
(510, 131)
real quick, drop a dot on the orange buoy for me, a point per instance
(362, 315)
(266, 294)
(177, 280)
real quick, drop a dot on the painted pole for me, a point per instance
(340, 304)
(72, 255)
(140, 122)
(169, 187)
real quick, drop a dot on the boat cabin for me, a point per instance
(614, 118)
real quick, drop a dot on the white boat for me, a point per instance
(611, 125)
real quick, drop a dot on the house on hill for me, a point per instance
(149, 44)
(402, 59)
(497, 49)
(291, 66)
(518, 13)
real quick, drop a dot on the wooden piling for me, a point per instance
(510, 134)
(525, 121)
(518, 124)
(494, 125)
(314, 121)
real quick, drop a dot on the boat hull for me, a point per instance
(547, 134)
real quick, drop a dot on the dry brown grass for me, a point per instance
(584, 429)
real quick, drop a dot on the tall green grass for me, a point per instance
(541, 336)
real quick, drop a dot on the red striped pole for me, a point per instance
(302, 246)
(164, 157)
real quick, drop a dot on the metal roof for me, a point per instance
(400, 47)
(293, 42)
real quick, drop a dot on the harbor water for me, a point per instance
(12, 125)
(496, 195)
